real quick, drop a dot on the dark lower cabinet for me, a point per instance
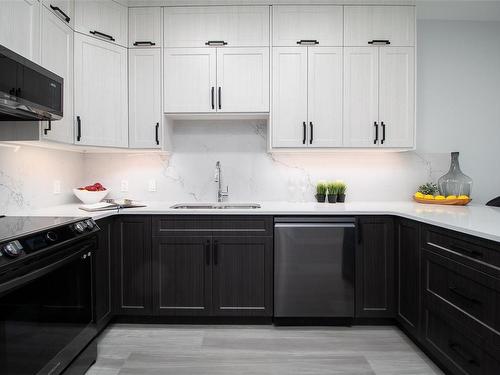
(182, 276)
(242, 277)
(132, 265)
(212, 276)
(408, 276)
(102, 273)
(375, 297)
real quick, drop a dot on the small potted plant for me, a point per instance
(321, 192)
(332, 192)
(341, 190)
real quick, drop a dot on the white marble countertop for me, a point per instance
(481, 221)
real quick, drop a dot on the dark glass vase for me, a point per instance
(455, 182)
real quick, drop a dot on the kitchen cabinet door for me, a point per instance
(144, 98)
(243, 79)
(361, 86)
(293, 23)
(408, 276)
(363, 24)
(182, 275)
(102, 273)
(144, 27)
(57, 56)
(63, 9)
(132, 266)
(102, 19)
(237, 26)
(20, 27)
(289, 105)
(189, 80)
(101, 107)
(397, 97)
(325, 96)
(375, 268)
(242, 276)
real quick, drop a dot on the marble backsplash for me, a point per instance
(28, 174)
(254, 175)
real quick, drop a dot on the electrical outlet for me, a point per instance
(124, 186)
(57, 187)
(152, 185)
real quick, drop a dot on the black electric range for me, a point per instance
(45, 292)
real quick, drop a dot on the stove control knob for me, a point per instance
(51, 236)
(12, 249)
(90, 224)
(79, 227)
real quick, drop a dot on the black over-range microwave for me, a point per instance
(27, 91)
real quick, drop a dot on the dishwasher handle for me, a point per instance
(314, 225)
(312, 220)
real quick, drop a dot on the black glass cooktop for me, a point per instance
(12, 227)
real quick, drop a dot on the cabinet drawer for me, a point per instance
(469, 290)
(242, 225)
(177, 225)
(463, 248)
(461, 349)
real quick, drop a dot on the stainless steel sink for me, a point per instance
(216, 206)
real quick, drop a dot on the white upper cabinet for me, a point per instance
(397, 96)
(289, 104)
(144, 27)
(361, 85)
(102, 19)
(379, 98)
(324, 111)
(308, 23)
(364, 25)
(232, 26)
(64, 9)
(144, 98)
(20, 27)
(189, 80)
(101, 108)
(243, 79)
(57, 56)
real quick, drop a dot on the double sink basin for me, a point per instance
(216, 206)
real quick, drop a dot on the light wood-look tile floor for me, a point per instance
(210, 350)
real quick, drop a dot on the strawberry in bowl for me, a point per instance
(91, 193)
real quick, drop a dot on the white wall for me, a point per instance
(459, 97)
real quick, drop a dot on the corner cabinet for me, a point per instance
(307, 97)
(102, 19)
(379, 97)
(101, 109)
(408, 277)
(144, 27)
(375, 297)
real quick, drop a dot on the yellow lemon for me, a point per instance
(450, 197)
(419, 195)
(428, 196)
(465, 197)
(440, 197)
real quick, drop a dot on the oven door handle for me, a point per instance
(45, 270)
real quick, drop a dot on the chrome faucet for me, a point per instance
(218, 178)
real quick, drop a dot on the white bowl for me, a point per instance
(90, 197)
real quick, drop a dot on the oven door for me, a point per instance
(46, 311)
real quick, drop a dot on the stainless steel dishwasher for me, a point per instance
(314, 267)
